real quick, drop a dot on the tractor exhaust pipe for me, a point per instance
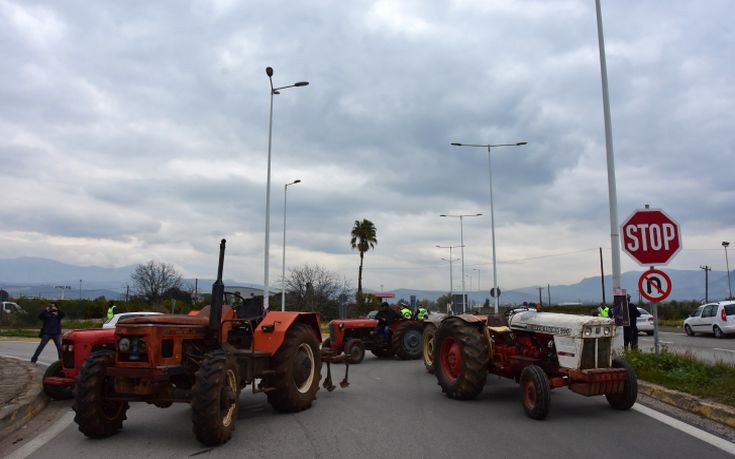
(218, 293)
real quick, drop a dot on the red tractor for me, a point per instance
(204, 360)
(540, 350)
(355, 336)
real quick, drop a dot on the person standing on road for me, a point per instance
(51, 329)
(111, 310)
(630, 333)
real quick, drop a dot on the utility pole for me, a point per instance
(539, 296)
(548, 291)
(707, 269)
(127, 293)
(602, 277)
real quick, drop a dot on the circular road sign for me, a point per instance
(654, 285)
(493, 292)
(651, 237)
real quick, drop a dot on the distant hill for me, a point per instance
(38, 277)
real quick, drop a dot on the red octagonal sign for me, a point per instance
(651, 237)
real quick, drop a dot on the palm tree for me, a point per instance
(363, 239)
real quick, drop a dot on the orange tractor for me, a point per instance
(204, 360)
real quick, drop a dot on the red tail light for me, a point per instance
(650, 318)
(723, 315)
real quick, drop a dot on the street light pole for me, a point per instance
(461, 242)
(283, 262)
(492, 205)
(478, 278)
(451, 275)
(727, 264)
(274, 91)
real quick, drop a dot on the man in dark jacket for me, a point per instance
(630, 333)
(385, 318)
(51, 329)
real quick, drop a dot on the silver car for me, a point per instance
(645, 322)
(715, 318)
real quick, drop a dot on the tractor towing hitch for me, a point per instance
(331, 356)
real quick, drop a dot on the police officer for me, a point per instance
(603, 311)
(406, 312)
(111, 310)
(422, 313)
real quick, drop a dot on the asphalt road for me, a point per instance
(705, 347)
(392, 409)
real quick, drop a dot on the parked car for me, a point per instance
(11, 308)
(716, 318)
(372, 314)
(112, 323)
(645, 322)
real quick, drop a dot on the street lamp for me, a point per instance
(478, 278)
(461, 241)
(274, 91)
(283, 262)
(492, 209)
(727, 263)
(451, 275)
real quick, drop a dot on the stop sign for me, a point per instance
(651, 237)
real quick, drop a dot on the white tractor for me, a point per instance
(540, 350)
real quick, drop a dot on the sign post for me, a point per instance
(651, 237)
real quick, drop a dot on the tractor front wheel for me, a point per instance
(95, 416)
(407, 340)
(625, 399)
(56, 391)
(536, 392)
(428, 347)
(355, 349)
(298, 371)
(460, 359)
(214, 398)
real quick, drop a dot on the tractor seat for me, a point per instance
(499, 330)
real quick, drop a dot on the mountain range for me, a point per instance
(45, 278)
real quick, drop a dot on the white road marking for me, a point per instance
(686, 428)
(723, 350)
(23, 359)
(44, 437)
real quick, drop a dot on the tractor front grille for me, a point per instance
(67, 354)
(595, 353)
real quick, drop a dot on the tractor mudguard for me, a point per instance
(271, 331)
(468, 318)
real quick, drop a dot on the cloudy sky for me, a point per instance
(137, 130)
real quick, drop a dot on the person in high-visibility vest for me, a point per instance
(422, 314)
(406, 312)
(603, 311)
(111, 310)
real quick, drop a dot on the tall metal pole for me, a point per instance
(611, 183)
(283, 260)
(492, 229)
(451, 275)
(727, 264)
(707, 269)
(461, 244)
(602, 277)
(268, 204)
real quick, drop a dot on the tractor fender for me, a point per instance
(271, 332)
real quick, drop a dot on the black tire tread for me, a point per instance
(397, 341)
(88, 398)
(54, 391)
(429, 334)
(474, 359)
(286, 398)
(626, 399)
(205, 406)
(348, 350)
(538, 378)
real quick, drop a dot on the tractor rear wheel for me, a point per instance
(355, 349)
(407, 340)
(536, 392)
(428, 347)
(56, 391)
(298, 371)
(625, 399)
(95, 416)
(214, 398)
(461, 359)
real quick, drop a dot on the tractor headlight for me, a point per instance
(124, 345)
(606, 331)
(587, 331)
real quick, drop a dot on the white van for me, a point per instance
(716, 318)
(11, 308)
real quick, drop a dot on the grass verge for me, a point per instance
(685, 373)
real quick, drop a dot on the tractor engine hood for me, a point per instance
(551, 323)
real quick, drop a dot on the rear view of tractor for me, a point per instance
(204, 360)
(540, 350)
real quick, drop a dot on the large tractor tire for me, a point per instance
(407, 340)
(355, 349)
(625, 399)
(214, 398)
(460, 359)
(54, 391)
(428, 347)
(95, 416)
(298, 371)
(536, 392)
